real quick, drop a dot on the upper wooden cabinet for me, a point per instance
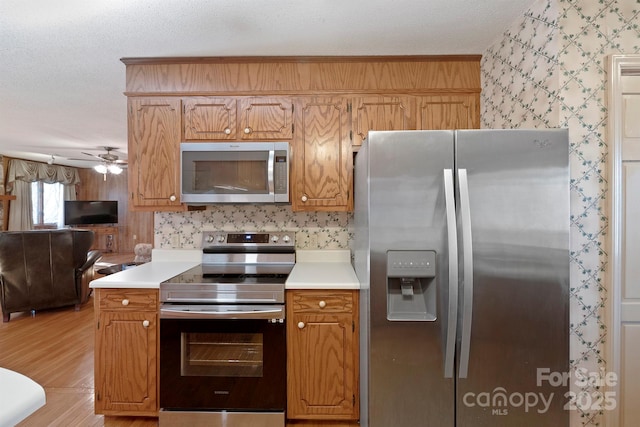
(322, 162)
(448, 112)
(154, 153)
(324, 106)
(382, 113)
(266, 118)
(210, 119)
(243, 118)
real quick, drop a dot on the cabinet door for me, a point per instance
(209, 119)
(154, 153)
(126, 363)
(322, 356)
(381, 113)
(449, 112)
(322, 164)
(266, 118)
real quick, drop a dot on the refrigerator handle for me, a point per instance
(452, 314)
(467, 293)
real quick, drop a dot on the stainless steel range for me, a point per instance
(222, 334)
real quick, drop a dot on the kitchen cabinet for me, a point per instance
(126, 361)
(154, 153)
(322, 355)
(381, 113)
(238, 118)
(441, 112)
(322, 163)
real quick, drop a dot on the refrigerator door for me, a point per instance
(407, 221)
(514, 332)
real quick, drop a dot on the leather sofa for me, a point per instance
(44, 269)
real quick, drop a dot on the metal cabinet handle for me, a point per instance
(322, 304)
(247, 130)
(304, 198)
(300, 325)
(172, 198)
(145, 323)
(227, 131)
(125, 302)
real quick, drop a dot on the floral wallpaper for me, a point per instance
(549, 70)
(313, 230)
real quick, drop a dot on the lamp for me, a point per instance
(100, 168)
(110, 168)
(114, 169)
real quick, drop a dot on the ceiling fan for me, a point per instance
(109, 162)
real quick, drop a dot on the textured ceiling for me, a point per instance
(62, 82)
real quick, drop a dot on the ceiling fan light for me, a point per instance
(100, 168)
(114, 169)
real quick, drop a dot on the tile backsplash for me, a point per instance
(313, 230)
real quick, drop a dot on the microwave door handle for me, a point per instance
(270, 172)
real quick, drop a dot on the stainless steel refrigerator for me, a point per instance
(462, 252)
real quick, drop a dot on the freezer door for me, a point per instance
(514, 332)
(405, 385)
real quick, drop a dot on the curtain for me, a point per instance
(19, 178)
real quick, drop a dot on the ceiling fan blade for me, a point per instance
(92, 155)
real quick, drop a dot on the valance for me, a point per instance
(25, 170)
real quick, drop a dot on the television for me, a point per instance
(90, 212)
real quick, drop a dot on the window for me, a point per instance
(47, 200)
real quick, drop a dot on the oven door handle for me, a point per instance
(215, 312)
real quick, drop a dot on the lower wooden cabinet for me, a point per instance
(322, 356)
(126, 362)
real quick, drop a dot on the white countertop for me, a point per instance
(323, 269)
(164, 265)
(314, 269)
(20, 396)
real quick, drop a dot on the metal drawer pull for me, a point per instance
(301, 325)
(322, 304)
(125, 302)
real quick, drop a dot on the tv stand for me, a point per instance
(106, 237)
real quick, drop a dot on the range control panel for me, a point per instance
(262, 239)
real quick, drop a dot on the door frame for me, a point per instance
(619, 65)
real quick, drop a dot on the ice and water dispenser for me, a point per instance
(411, 286)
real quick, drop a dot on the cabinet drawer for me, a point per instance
(321, 301)
(127, 299)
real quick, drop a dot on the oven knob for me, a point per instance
(220, 239)
(275, 239)
(210, 239)
(300, 325)
(286, 238)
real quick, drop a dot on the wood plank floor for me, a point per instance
(55, 349)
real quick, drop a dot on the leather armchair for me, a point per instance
(43, 269)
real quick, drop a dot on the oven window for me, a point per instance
(222, 354)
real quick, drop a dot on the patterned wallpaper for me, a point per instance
(549, 70)
(317, 230)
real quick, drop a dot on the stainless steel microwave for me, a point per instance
(244, 172)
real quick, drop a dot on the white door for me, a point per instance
(625, 254)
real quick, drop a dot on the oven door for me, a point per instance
(212, 358)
